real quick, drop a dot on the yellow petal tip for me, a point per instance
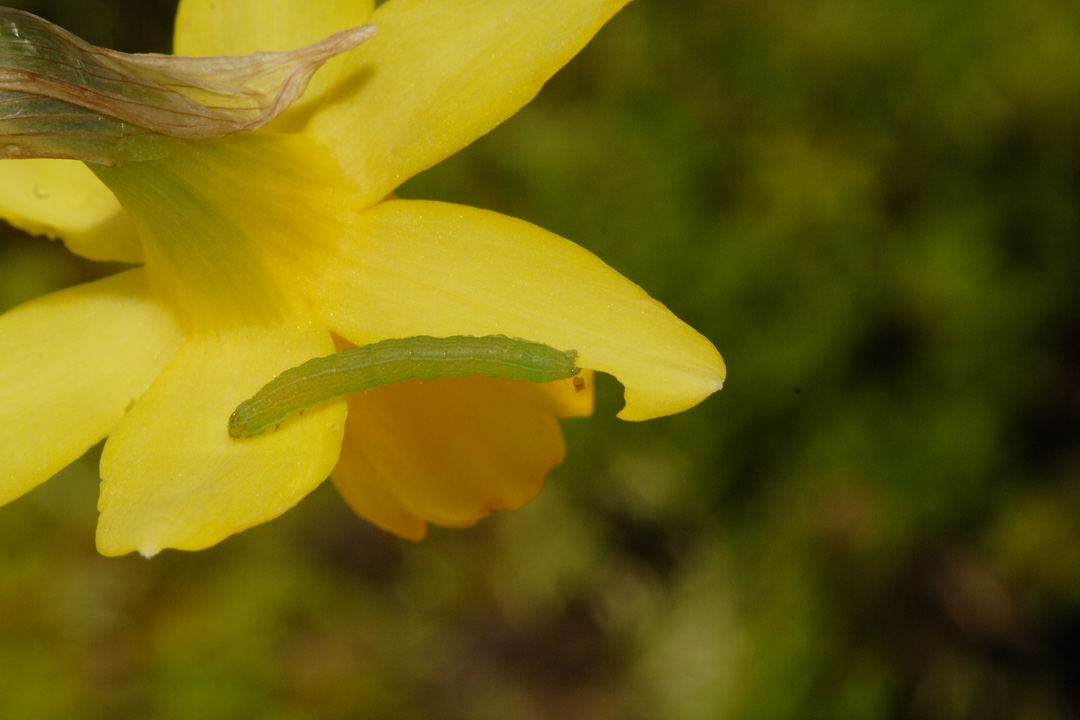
(673, 393)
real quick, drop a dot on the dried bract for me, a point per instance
(61, 97)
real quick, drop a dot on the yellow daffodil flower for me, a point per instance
(262, 249)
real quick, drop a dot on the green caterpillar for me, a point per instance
(370, 366)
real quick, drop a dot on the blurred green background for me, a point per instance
(873, 210)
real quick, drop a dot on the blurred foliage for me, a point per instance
(872, 208)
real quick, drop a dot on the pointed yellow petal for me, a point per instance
(172, 476)
(440, 74)
(445, 451)
(62, 199)
(73, 362)
(425, 268)
(239, 27)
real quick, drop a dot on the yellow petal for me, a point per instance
(239, 27)
(445, 451)
(73, 362)
(63, 199)
(440, 74)
(172, 476)
(425, 268)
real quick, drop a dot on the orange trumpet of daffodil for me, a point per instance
(256, 250)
